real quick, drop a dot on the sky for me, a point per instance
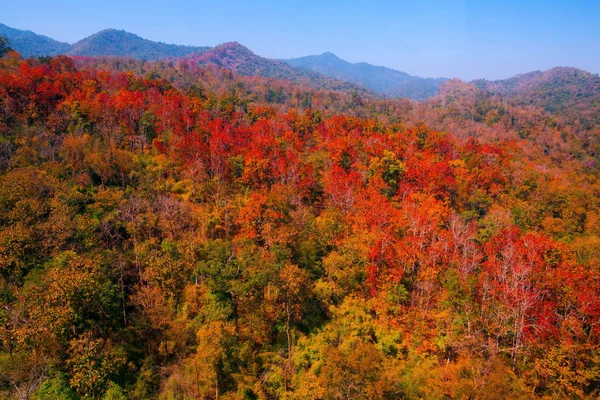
(468, 39)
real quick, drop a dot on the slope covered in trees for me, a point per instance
(569, 92)
(109, 42)
(240, 59)
(177, 232)
(30, 44)
(557, 89)
(118, 43)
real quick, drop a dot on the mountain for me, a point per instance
(243, 61)
(118, 43)
(560, 89)
(109, 42)
(565, 91)
(382, 80)
(556, 90)
(30, 44)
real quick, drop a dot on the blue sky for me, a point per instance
(466, 39)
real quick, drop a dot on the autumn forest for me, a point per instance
(177, 230)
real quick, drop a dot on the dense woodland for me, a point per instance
(171, 231)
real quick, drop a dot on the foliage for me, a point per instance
(171, 231)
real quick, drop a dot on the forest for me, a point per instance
(175, 231)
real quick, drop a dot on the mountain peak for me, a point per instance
(329, 54)
(233, 43)
(571, 71)
(382, 80)
(113, 32)
(109, 30)
(120, 43)
(236, 46)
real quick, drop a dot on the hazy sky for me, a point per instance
(466, 39)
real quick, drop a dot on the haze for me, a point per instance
(465, 39)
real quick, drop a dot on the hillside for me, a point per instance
(243, 61)
(30, 44)
(215, 242)
(569, 93)
(555, 90)
(382, 80)
(109, 42)
(118, 43)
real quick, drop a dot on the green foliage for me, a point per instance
(114, 392)
(4, 47)
(92, 366)
(56, 387)
(390, 169)
(31, 45)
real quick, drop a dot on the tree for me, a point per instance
(295, 291)
(92, 365)
(4, 47)
(208, 372)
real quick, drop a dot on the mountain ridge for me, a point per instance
(556, 89)
(31, 44)
(242, 60)
(383, 80)
(121, 43)
(107, 42)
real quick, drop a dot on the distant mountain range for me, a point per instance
(243, 61)
(109, 42)
(382, 80)
(326, 71)
(555, 90)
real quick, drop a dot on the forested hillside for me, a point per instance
(118, 43)
(173, 231)
(569, 92)
(237, 58)
(31, 44)
(108, 42)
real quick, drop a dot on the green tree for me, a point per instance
(4, 47)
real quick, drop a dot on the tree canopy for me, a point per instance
(175, 232)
